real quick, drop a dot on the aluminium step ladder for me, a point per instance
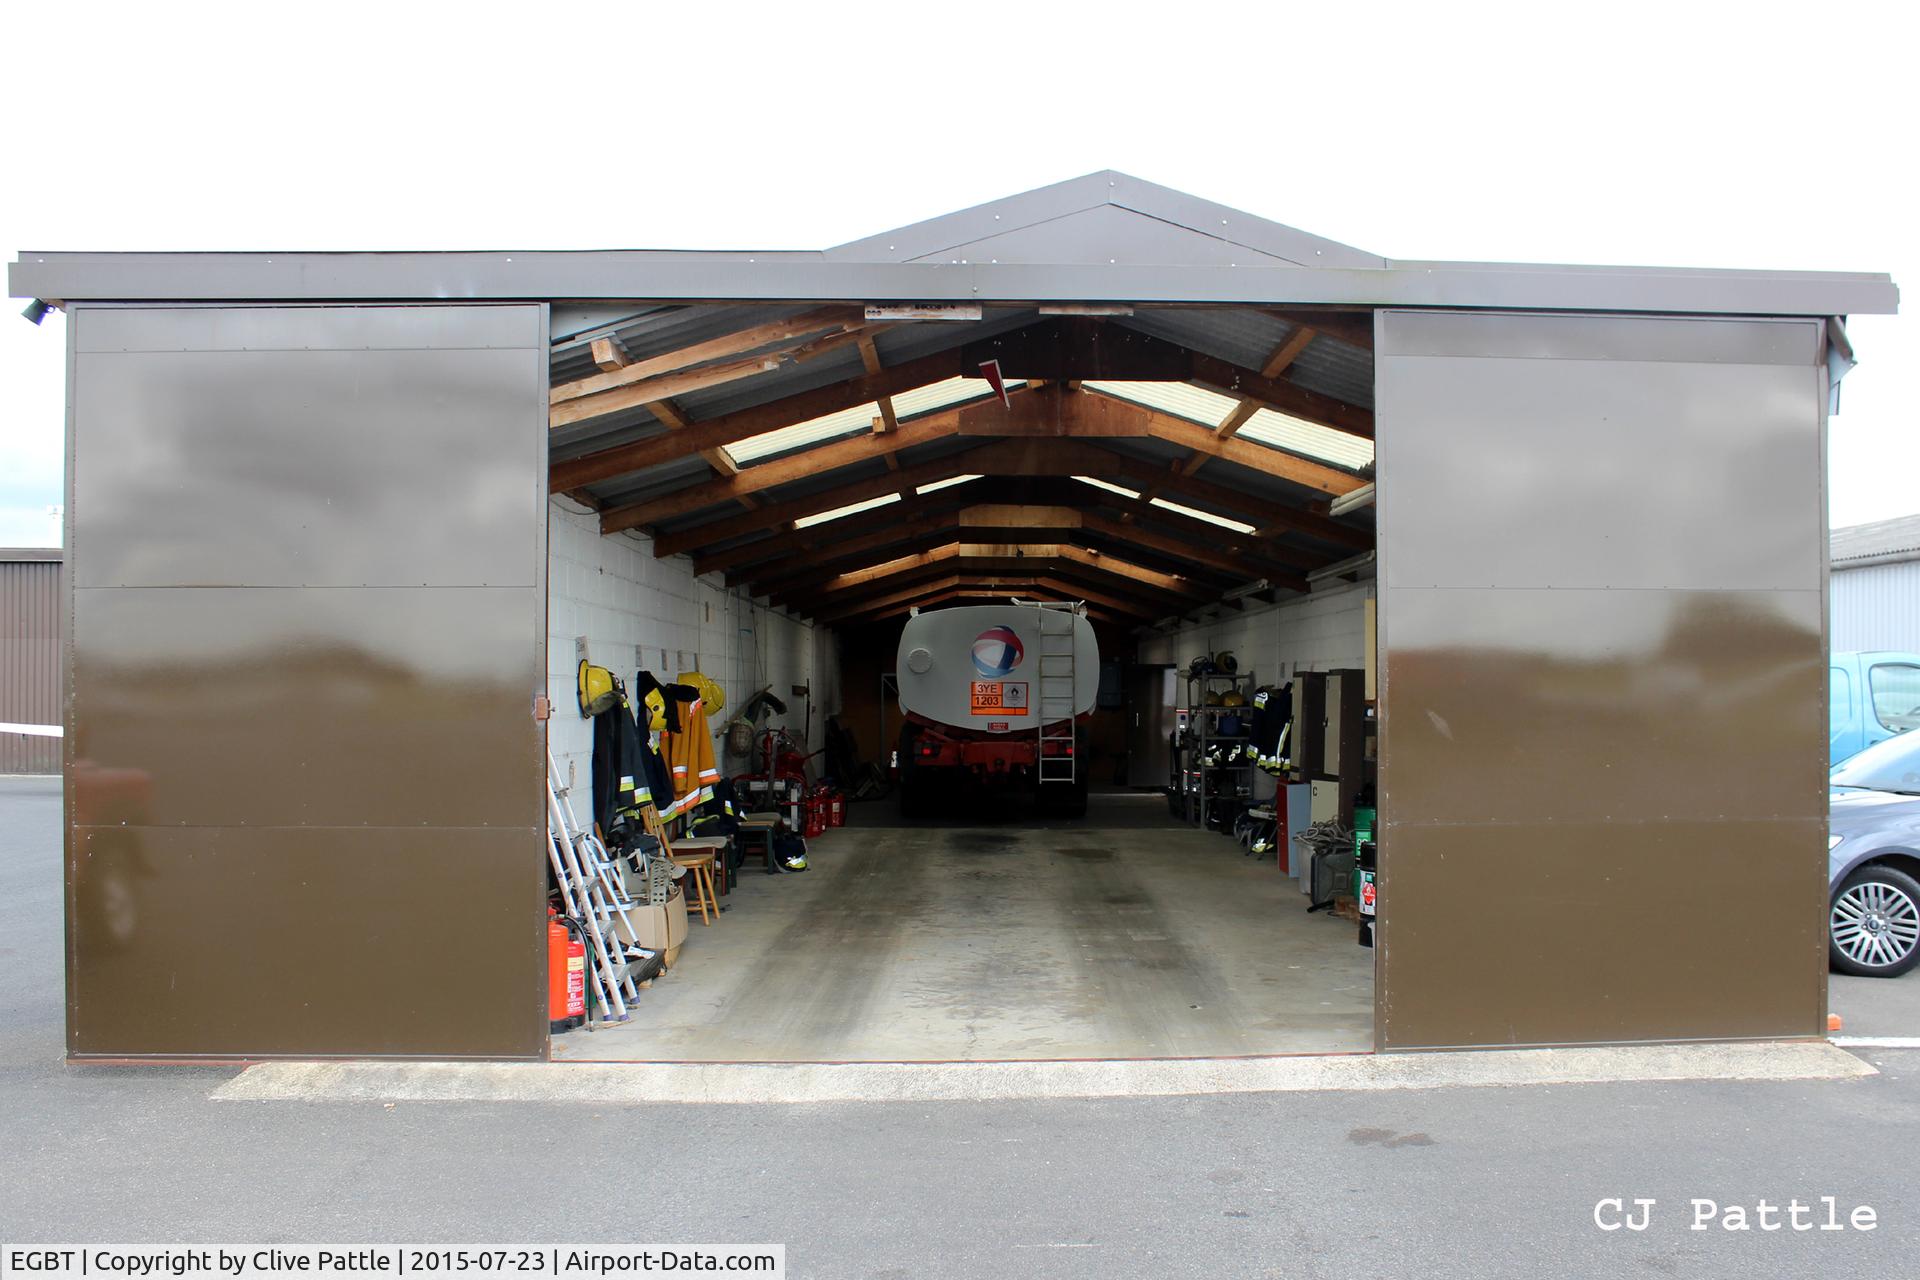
(592, 892)
(1055, 702)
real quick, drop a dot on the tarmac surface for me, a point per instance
(1442, 1182)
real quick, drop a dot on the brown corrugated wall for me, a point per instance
(29, 658)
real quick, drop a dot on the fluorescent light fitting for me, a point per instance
(1353, 564)
(807, 522)
(1353, 501)
(1108, 485)
(1238, 526)
(948, 483)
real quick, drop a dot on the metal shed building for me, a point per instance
(1876, 585)
(310, 578)
(30, 696)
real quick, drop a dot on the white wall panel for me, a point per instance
(1877, 607)
(635, 609)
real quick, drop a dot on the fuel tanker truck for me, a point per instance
(993, 697)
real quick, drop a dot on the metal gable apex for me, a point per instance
(1100, 219)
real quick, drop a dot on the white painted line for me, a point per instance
(605, 1083)
(33, 730)
(1876, 1042)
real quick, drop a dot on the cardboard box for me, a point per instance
(661, 928)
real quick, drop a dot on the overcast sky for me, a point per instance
(1735, 135)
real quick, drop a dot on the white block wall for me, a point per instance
(636, 610)
(1316, 632)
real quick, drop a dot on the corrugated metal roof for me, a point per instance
(1248, 337)
(1244, 336)
(1897, 537)
(1337, 369)
(654, 482)
(1309, 439)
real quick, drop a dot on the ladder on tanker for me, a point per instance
(1055, 701)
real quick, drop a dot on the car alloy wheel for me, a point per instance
(1875, 922)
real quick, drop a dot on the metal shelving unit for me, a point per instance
(1203, 733)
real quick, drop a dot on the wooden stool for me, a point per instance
(699, 865)
(756, 832)
(717, 846)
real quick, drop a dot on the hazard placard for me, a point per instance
(999, 697)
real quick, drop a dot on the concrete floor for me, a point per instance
(1123, 935)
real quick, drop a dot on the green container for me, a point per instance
(1363, 818)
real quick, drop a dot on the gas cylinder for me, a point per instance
(566, 976)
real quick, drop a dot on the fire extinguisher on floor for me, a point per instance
(566, 974)
(836, 808)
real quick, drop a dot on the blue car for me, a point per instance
(1873, 860)
(1873, 696)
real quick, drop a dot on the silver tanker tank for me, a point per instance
(978, 667)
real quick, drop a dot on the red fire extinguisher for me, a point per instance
(816, 814)
(836, 808)
(566, 975)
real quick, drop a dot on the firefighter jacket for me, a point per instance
(651, 697)
(1270, 743)
(617, 765)
(628, 773)
(690, 758)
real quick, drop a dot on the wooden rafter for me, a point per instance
(1013, 457)
(1003, 578)
(1204, 533)
(968, 590)
(717, 457)
(604, 464)
(794, 509)
(610, 353)
(938, 545)
(990, 557)
(1276, 364)
(1046, 413)
(998, 568)
(1271, 520)
(911, 594)
(826, 457)
(1281, 393)
(1012, 524)
(877, 387)
(789, 332)
(1202, 441)
(779, 547)
(1218, 558)
(572, 410)
(1355, 328)
(870, 358)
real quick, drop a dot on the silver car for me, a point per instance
(1873, 857)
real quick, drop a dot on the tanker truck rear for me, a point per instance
(993, 697)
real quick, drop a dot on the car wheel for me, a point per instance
(1873, 929)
